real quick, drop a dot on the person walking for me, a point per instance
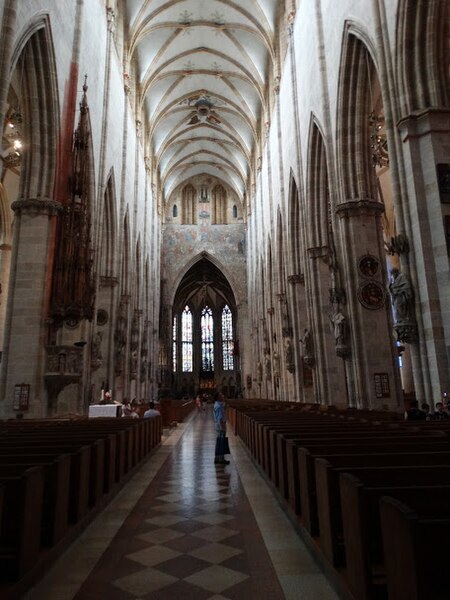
(220, 423)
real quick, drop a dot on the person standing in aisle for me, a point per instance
(220, 423)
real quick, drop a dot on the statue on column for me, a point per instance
(267, 367)
(289, 355)
(96, 350)
(339, 324)
(276, 365)
(259, 372)
(401, 295)
(402, 298)
(308, 353)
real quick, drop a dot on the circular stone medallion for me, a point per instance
(371, 295)
(368, 265)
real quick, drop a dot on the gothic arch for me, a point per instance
(422, 72)
(357, 70)
(33, 73)
(214, 261)
(318, 208)
(138, 273)
(126, 266)
(218, 205)
(188, 197)
(295, 224)
(281, 275)
(108, 229)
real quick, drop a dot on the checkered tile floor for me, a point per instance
(192, 534)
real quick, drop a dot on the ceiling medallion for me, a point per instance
(371, 295)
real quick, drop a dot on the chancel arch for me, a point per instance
(204, 326)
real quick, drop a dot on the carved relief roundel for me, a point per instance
(371, 295)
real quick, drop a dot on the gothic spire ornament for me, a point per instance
(73, 286)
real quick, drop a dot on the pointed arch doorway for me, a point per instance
(204, 349)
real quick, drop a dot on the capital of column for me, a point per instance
(296, 278)
(106, 281)
(36, 207)
(424, 122)
(355, 208)
(318, 252)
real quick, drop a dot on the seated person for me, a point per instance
(440, 414)
(414, 413)
(151, 412)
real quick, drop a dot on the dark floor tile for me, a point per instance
(183, 566)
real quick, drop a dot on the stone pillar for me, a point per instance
(329, 371)
(426, 151)
(367, 312)
(5, 265)
(24, 352)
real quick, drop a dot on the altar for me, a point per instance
(104, 410)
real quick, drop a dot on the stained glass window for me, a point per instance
(227, 339)
(206, 324)
(174, 343)
(186, 340)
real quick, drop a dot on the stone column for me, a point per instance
(5, 265)
(329, 371)
(426, 151)
(24, 352)
(367, 313)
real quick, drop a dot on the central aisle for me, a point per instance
(185, 528)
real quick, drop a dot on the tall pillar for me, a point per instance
(5, 265)
(368, 317)
(426, 153)
(329, 372)
(24, 352)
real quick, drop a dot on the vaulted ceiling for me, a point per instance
(202, 69)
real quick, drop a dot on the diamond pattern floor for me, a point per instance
(184, 528)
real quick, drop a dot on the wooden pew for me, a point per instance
(416, 543)
(80, 460)
(365, 569)
(328, 492)
(55, 503)
(306, 479)
(20, 528)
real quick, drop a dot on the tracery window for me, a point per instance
(186, 341)
(207, 336)
(174, 343)
(227, 339)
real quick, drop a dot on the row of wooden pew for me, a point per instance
(371, 492)
(55, 476)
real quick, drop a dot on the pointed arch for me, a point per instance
(125, 267)
(357, 71)
(318, 209)
(33, 75)
(188, 197)
(219, 205)
(423, 54)
(295, 223)
(108, 229)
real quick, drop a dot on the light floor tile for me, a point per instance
(153, 555)
(215, 553)
(216, 578)
(143, 582)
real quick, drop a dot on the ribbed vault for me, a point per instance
(202, 70)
